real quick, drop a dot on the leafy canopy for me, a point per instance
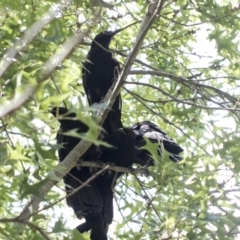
(185, 79)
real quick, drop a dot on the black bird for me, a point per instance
(87, 202)
(95, 202)
(152, 132)
(98, 74)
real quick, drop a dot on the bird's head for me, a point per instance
(104, 38)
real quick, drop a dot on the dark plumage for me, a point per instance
(98, 75)
(95, 223)
(152, 132)
(99, 72)
(122, 154)
(124, 151)
(87, 202)
(95, 202)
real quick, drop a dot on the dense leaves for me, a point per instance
(185, 79)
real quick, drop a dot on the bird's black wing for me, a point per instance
(152, 132)
(123, 151)
(87, 202)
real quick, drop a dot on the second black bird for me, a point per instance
(154, 134)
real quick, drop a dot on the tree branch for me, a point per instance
(176, 99)
(37, 228)
(185, 81)
(9, 220)
(72, 192)
(47, 69)
(29, 35)
(113, 168)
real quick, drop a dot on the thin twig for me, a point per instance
(37, 228)
(29, 35)
(186, 81)
(71, 193)
(176, 99)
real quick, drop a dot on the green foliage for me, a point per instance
(196, 102)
